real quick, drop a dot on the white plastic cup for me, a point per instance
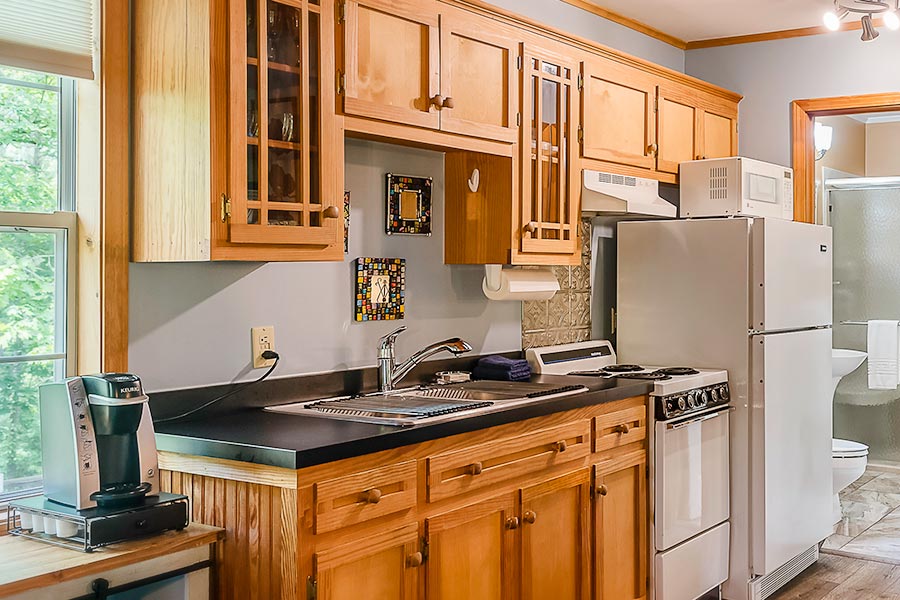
(50, 525)
(25, 520)
(38, 524)
(66, 529)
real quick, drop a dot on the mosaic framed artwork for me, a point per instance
(380, 289)
(408, 205)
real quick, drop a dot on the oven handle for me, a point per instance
(700, 419)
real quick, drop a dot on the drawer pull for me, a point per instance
(560, 446)
(602, 490)
(530, 516)
(474, 469)
(414, 560)
(512, 523)
(437, 101)
(372, 496)
(624, 428)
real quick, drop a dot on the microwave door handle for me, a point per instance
(700, 419)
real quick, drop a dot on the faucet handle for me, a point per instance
(387, 341)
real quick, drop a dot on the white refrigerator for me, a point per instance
(752, 296)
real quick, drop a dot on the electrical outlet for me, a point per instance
(262, 339)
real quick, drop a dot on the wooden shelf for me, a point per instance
(274, 66)
(281, 145)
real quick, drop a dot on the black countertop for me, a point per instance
(250, 434)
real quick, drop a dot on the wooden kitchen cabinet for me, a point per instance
(618, 121)
(237, 154)
(473, 551)
(550, 188)
(620, 527)
(408, 62)
(381, 567)
(555, 538)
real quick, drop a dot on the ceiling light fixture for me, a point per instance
(867, 9)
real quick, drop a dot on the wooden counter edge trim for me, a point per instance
(124, 554)
(229, 469)
(584, 44)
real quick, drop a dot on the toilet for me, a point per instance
(848, 458)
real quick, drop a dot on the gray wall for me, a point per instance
(565, 17)
(771, 75)
(190, 323)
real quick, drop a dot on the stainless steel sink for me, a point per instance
(429, 404)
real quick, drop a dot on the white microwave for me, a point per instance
(736, 186)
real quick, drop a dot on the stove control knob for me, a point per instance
(692, 400)
(681, 403)
(715, 394)
(723, 393)
(703, 398)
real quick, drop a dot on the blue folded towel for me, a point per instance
(502, 369)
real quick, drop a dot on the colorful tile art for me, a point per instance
(380, 289)
(408, 205)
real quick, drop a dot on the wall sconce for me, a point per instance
(823, 135)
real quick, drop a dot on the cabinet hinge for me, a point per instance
(342, 12)
(424, 549)
(341, 83)
(312, 592)
(580, 134)
(656, 104)
(580, 81)
(226, 208)
(518, 119)
(519, 63)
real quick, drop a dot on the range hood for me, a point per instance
(622, 195)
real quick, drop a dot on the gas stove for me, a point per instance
(677, 390)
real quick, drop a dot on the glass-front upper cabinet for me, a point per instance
(550, 191)
(281, 140)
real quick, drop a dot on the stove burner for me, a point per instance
(678, 371)
(622, 368)
(653, 376)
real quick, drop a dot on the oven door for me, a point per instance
(692, 476)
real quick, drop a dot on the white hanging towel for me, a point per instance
(883, 347)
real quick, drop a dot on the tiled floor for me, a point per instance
(870, 526)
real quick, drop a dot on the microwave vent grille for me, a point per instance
(718, 183)
(603, 177)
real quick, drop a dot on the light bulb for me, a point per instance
(891, 20)
(832, 21)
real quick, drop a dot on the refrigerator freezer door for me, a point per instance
(790, 431)
(792, 275)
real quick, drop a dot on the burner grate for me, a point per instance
(679, 371)
(622, 368)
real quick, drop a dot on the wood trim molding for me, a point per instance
(774, 35)
(629, 23)
(114, 183)
(803, 148)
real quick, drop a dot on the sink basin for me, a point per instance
(429, 404)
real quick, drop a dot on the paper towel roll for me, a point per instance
(518, 284)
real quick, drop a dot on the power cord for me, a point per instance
(268, 355)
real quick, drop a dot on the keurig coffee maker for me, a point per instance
(100, 464)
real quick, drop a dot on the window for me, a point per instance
(37, 241)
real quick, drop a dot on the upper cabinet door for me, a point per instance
(677, 128)
(550, 178)
(280, 138)
(479, 84)
(617, 119)
(718, 132)
(391, 61)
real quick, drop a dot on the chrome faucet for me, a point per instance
(389, 372)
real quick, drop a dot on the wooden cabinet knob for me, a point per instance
(560, 446)
(701, 157)
(331, 212)
(414, 560)
(372, 496)
(531, 227)
(530, 516)
(623, 428)
(652, 149)
(602, 490)
(448, 102)
(475, 468)
(437, 101)
(512, 523)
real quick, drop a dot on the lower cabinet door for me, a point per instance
(620, 521)
(380, 567)
(555, 538)
(472, 552)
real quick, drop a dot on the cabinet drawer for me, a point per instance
(620, 428)
(482, 465)
(365, 495)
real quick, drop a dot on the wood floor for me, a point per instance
(842, 578)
